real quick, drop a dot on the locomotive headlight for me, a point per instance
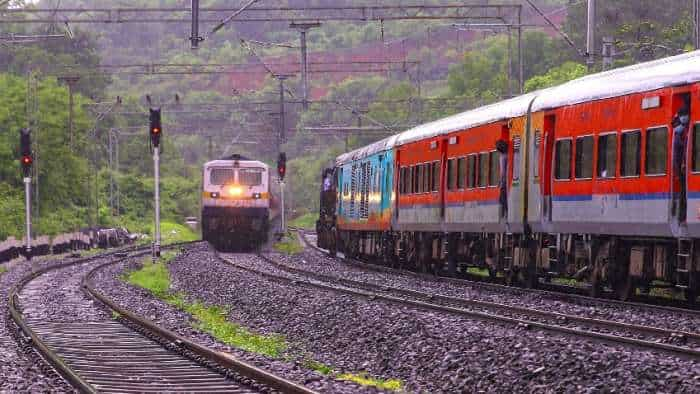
(234, 191)
(256, 196)
(214, 195)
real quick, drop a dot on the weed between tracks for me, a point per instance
(289, 245)
(306, 221)
(212, 319)
(208, 318)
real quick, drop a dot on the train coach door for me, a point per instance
(679, 156)
(547, 150)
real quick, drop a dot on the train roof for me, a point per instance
(502, 110)
(368, 150)
(643, 77)
(228, 163)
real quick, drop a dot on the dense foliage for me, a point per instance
(456, 73)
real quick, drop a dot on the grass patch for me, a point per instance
(170, 233)
(366, 380)
(478, 271)
(306, 221)
(567, 282)
(3, 269)
(289, 245)
(211, 319)
(317, 366)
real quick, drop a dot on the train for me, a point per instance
(597, 179)
(238, 202)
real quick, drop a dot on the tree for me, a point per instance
(556, 76)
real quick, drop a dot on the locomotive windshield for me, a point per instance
(250, 176)
(221, 176)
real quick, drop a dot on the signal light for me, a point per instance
(282, 165)
(25, 145)
(156, 129)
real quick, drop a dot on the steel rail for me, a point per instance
(74, 376)
(495, 286)
(220, 358)
(44, 351)
(427, 302)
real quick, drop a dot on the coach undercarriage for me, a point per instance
(600, 263)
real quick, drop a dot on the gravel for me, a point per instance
(428, 351)
(108, 281)
(21, 370)
(598, 309)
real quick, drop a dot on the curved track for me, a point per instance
(643, 337)
(109, 349)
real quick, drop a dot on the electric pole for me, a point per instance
(70, 81)
(696, 20)
(195, 39)
(590, 35)
(303, 29)
(282, 135)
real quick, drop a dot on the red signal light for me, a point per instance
(26, 160)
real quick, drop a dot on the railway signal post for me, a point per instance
(25, 142)
(281, 171)
(156, 131)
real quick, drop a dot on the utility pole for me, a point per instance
(195, 39)
(590, 35)
(70, 81)
(282, 134)
(521, 67)
(696, 20)
(303, 29)
(608, 52)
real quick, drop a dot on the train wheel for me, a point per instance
(511, 277)
(625, 288)
(596, 281)
(691, 296)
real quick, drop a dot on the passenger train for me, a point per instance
(597, 179)
(237, 202)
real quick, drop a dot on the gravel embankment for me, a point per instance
(430, 352)
(21, 370)
(141, 302)
(313, 261)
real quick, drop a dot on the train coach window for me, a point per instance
(421, 175)
(471, 171)
(494, 169)
(461, 172)
(451, 174)
(656, 151)
(631, 145)
(221, 176)
(562, 170)
(427, 177)
(584, 157)
(436, 176)
(696, 148)
(414, 169)
(607, 155)
(483, 169)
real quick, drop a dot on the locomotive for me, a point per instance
(597, 179)
(237, 203)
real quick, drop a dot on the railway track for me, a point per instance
(563, 293)
(685, 344)
(100, 347)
